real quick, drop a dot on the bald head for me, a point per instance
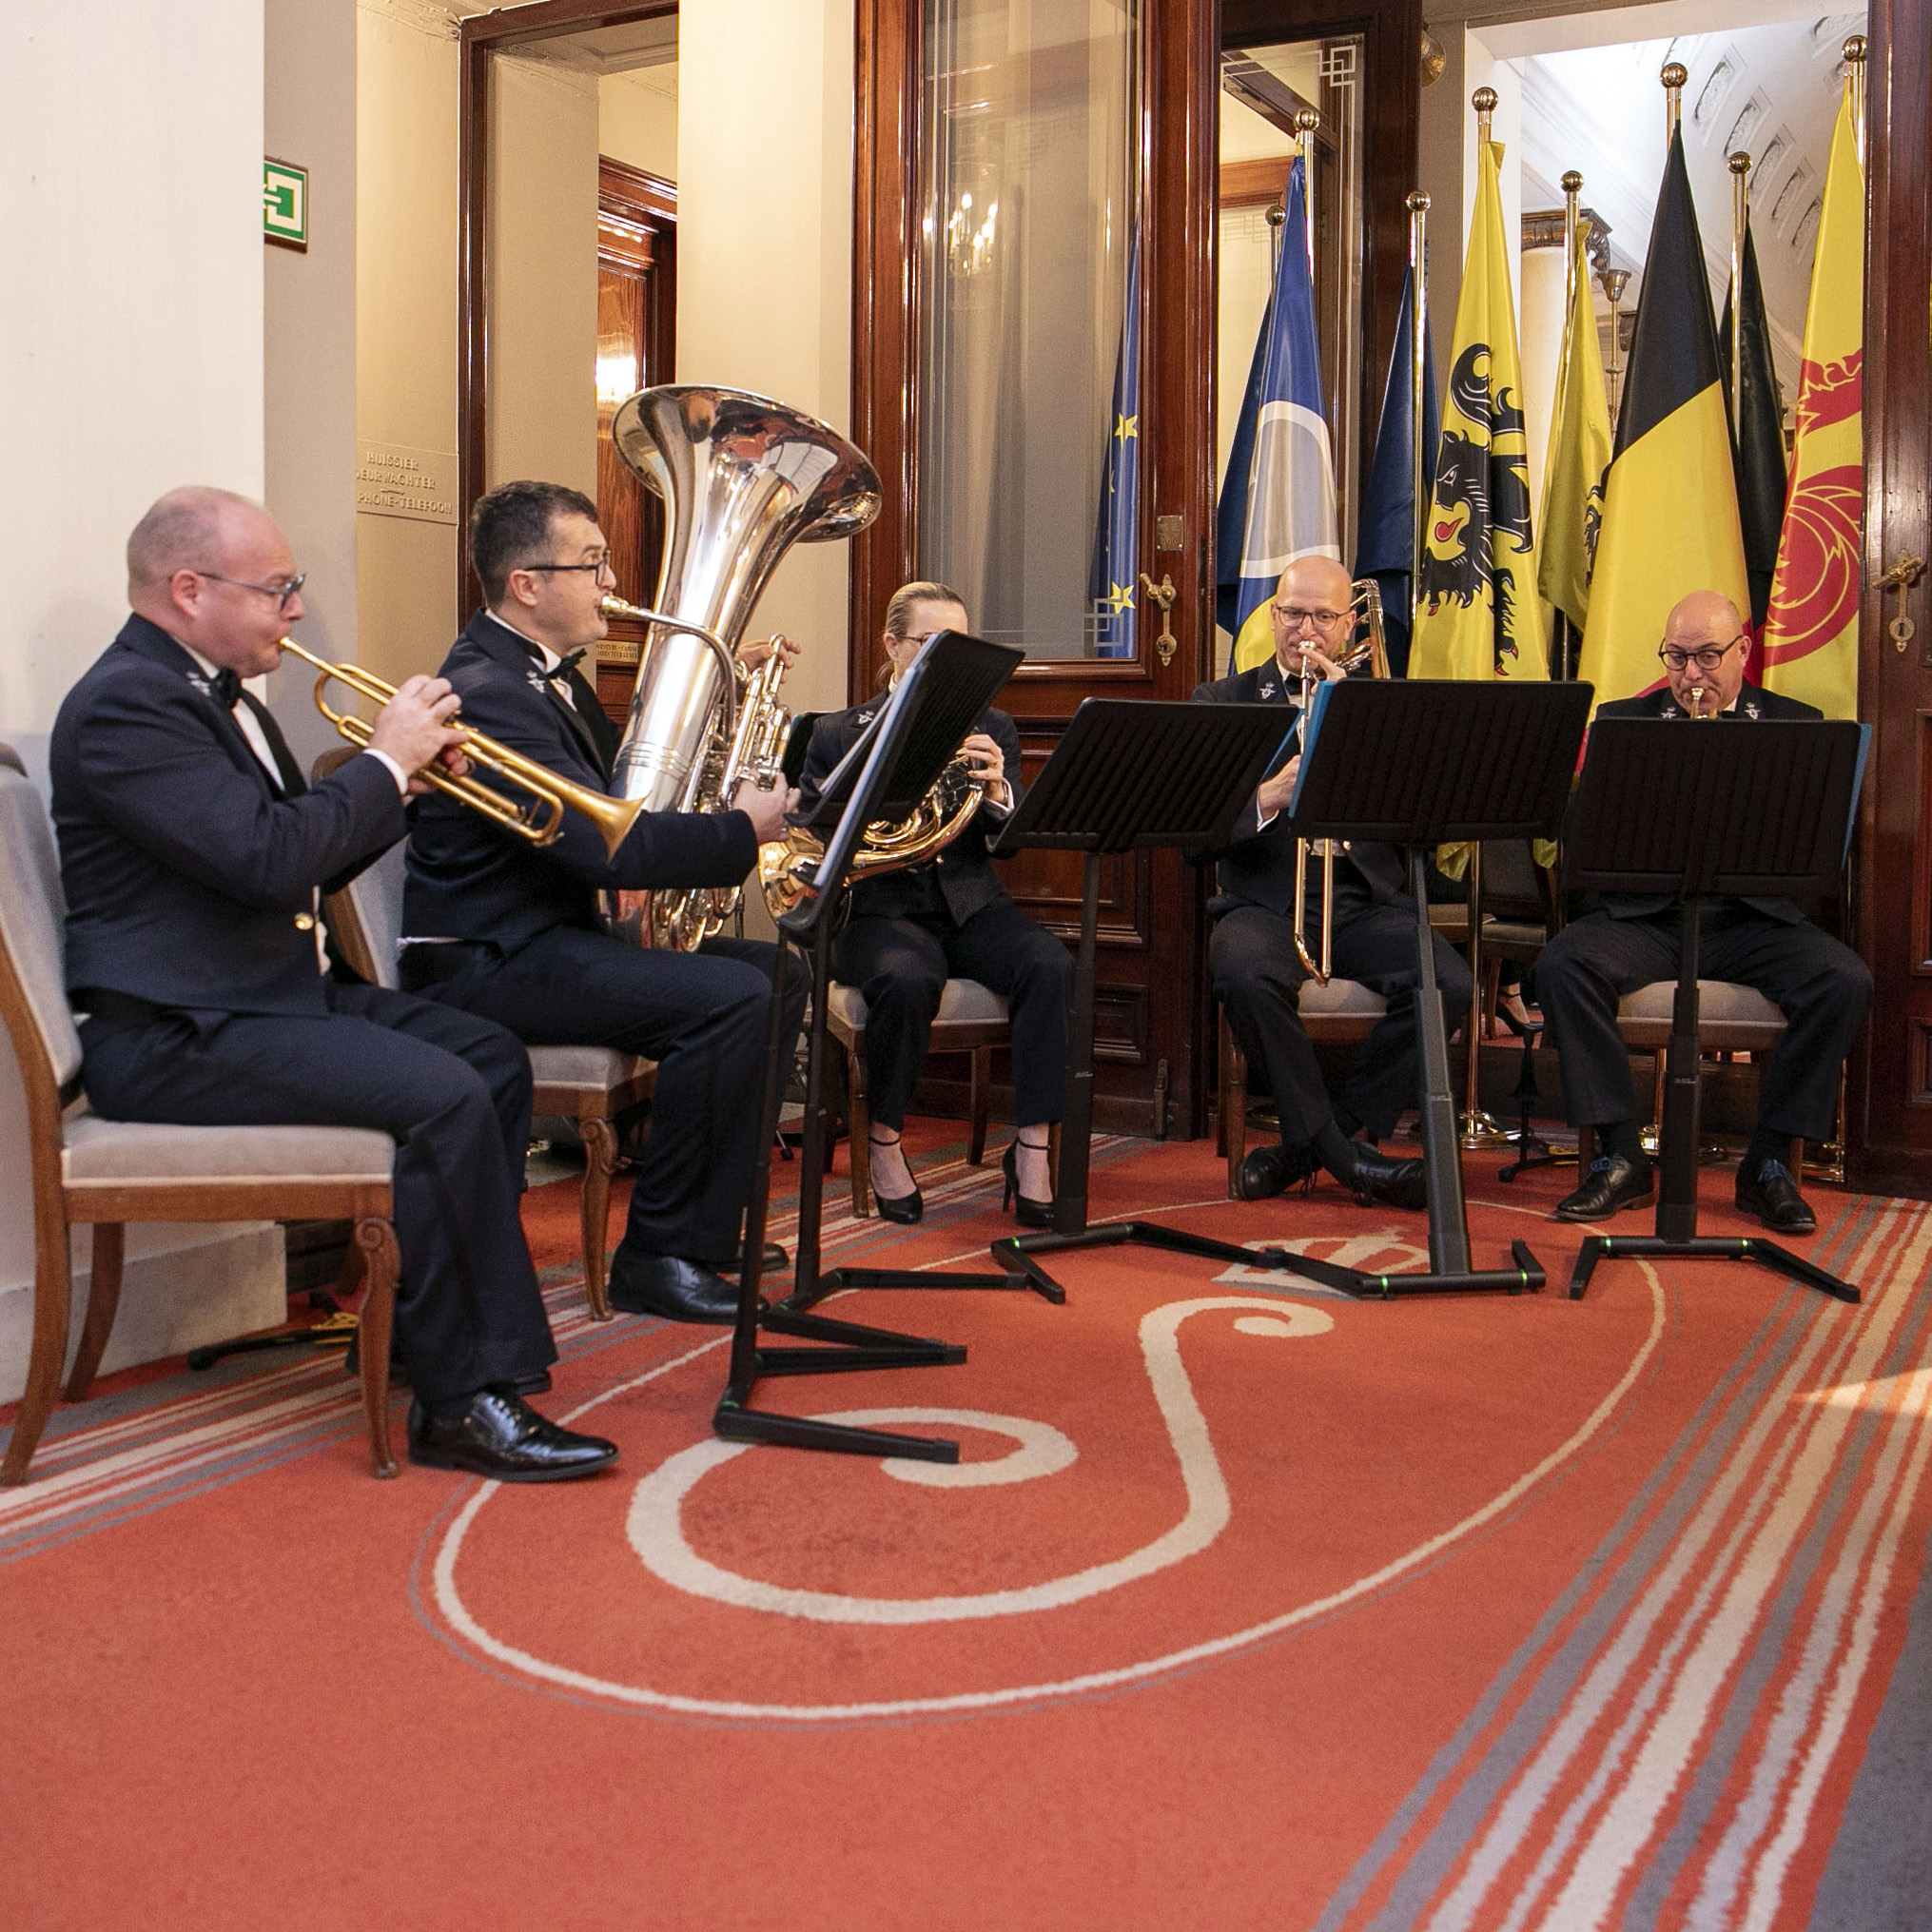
(188, 529)
(206, 566)
(1705, 622)
(1312, 608)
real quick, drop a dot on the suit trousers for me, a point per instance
(900, 966)
(452, 1090)
(701, 1016)
(1257, 977)
(1821, 988)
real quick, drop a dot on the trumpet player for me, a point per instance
(1622, 943)
(1257, 966)
(512, 932)
(908, 930)
(192, 854)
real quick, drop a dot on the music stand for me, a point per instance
(1709, 815)
(893, 765)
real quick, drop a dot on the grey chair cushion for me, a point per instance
(138, 1150)
(32, 912)
(1732, 1018)
(961, 1000)
(602, 1068)
(1339, 1000)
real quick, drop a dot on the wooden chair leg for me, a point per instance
(1220, 1086)
(104, 1299)
(860, 1133)
(375, 1237)
(976, 1104)
(52, 1286)
(600, 1162)
(1234, 1112)
(1493, 981)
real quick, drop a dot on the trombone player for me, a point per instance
(1257, 966)
(192, 856)
(513, 933)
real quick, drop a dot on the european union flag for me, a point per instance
(1385, 534)
(1277, 497)
(1116, 544)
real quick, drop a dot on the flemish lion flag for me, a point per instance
(1481, 616)
(1670, 519)
(1579, 456)
(1811, 631)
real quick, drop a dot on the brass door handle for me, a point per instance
(1163, 594)
(1900, 578)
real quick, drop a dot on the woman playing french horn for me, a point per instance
(908, 931)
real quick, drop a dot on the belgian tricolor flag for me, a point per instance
(1671, 517)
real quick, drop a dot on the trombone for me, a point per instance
(539, 819)
(1372, 651)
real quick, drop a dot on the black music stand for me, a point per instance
(1129, 774)
(1708, 815)
(888, 772)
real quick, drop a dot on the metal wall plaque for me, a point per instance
(392, 481)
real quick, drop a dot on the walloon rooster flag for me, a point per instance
(1480, 614)
(1671, 518)
(1810, 647)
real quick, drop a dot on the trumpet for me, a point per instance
(539, 819)
(1697, 711)
(1374, 651)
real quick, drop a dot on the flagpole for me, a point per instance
(1573, 187)
(1740, 214)
(1673, 77)
(1306, 122)
(1418, 227)
(1615, 281)
(1853, 51)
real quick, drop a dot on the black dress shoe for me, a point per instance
(677, 1290)
(538, 1384)
(1400, 1183)
(1271, 1170)
(499, 1435)
(1613, 1182)
(1773, 1196)
(907, 1209)
(1026, 1211)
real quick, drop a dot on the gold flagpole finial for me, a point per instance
(1306, 122)
(1853, 51)
(1674, 75)
(1615, 281)
(1484, 102)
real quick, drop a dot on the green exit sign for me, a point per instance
(285, 204)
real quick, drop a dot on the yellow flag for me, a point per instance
(1480, 614)
(1810, 645)
(1671, 518)
(1579, 456)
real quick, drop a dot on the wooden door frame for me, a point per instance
(1891, 1067)
(479, 35)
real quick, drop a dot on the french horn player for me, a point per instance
(1272, 901)
(911, 928)
(513, 932)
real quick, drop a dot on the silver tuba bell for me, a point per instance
(743, 478)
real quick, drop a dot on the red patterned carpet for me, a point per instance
(1249, 1604)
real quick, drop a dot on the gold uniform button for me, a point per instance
(304, 922)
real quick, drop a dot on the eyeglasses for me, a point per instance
(599, 564)
(284, 594)
(1709, 658)
(1294, 616)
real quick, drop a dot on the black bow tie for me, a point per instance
(567, 663)
(224, 687)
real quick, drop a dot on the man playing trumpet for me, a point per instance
(1258, 971)
(1822, 986)
(514, 933)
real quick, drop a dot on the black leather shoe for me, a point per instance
(1614, 1181)
(538, 1384)
(1272, 1170)
(907, 1209)
(677, 1290)
(1773, 1196)
(499, 1435)
(1400, 1183)
(1026, 1211)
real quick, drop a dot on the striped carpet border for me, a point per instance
(163, 1446)
(1660, 1751)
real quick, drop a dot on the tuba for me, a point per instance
(743, 478)
(1373, 650)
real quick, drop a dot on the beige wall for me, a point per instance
(543, 295)
(637, 119)
(310, 341)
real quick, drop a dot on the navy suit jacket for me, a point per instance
(1752, 705)
(469, 878)
(186, 873)
(964, 870)
(1257, 862)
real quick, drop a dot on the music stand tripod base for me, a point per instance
(1718, 1247)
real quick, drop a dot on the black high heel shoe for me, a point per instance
(906, 1209)
(1028, 1212)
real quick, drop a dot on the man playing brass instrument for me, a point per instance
(511, 931)
(1258, 972)
(193, 853)
(1625, 941)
